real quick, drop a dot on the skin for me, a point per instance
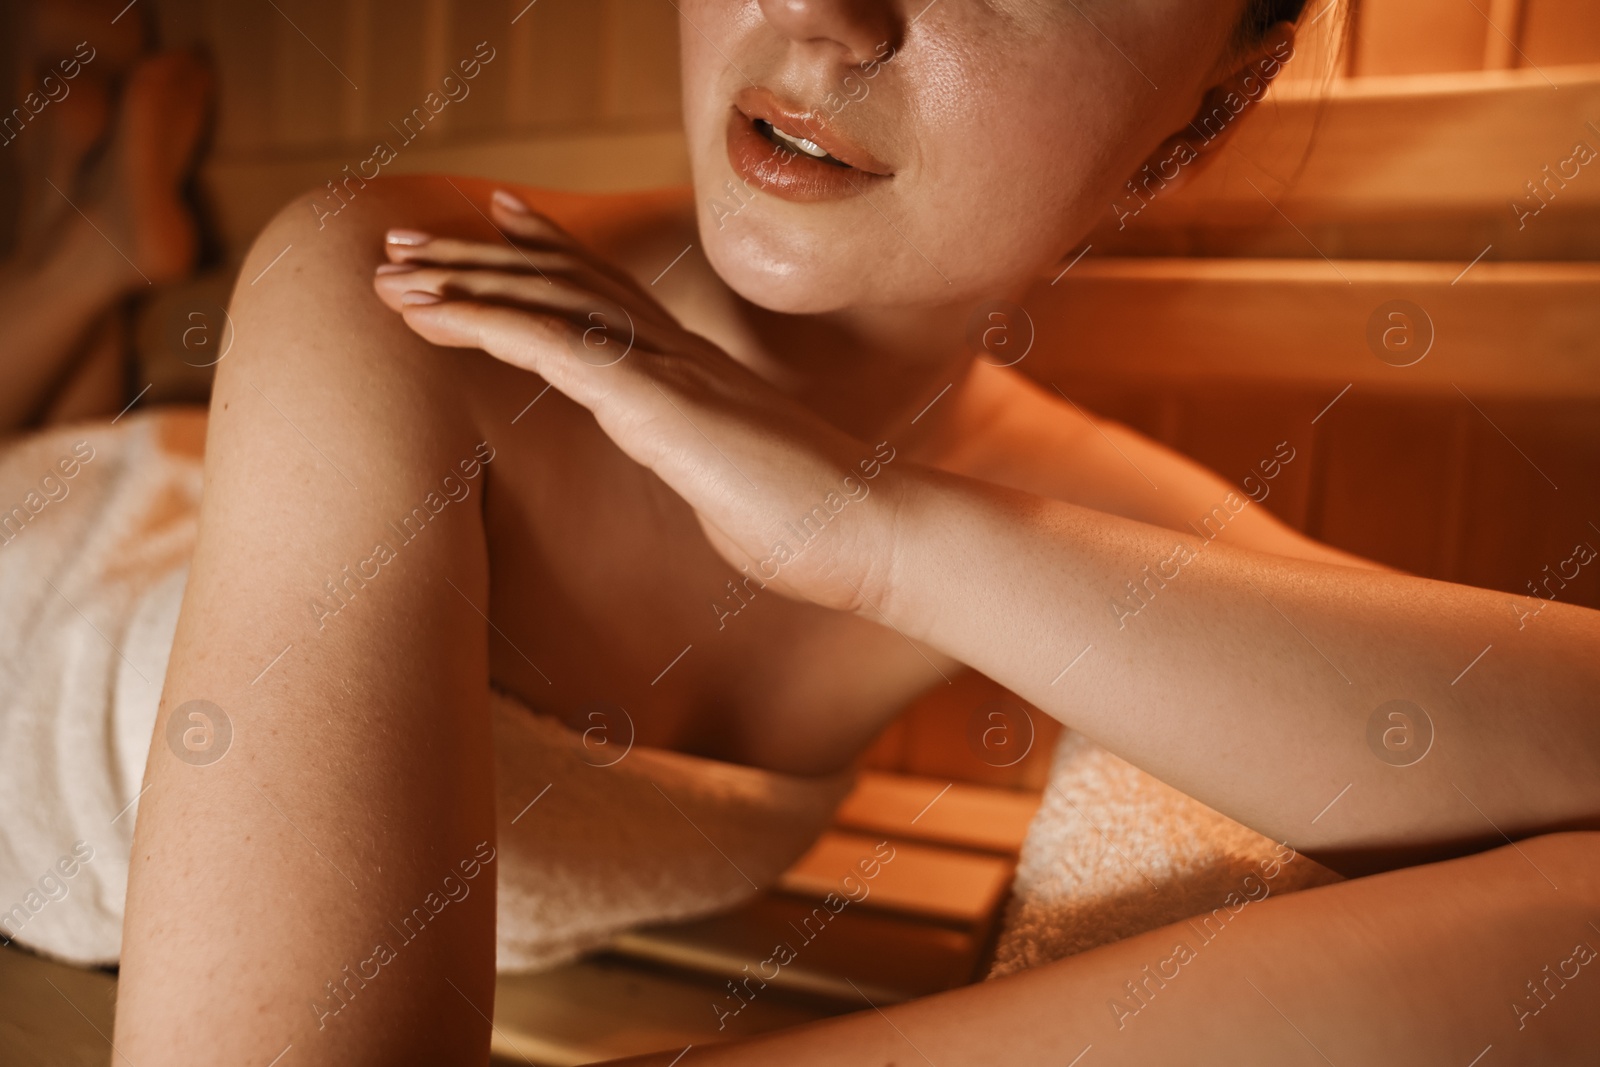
(765, 367)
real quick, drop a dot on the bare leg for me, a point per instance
(97, 381)
(127, 230)
(1428, 965)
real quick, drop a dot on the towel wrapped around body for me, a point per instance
(1113, 853)
(95, 542)
(97, 525)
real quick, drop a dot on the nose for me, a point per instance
(860, 27)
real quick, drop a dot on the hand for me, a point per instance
(775, 488)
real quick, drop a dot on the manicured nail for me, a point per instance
(409, 238)
(510, 203)
(418, 298)
(396, 268)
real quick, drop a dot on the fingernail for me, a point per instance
(418, 298)
(395, 268)
(408, 237)
(510, 202)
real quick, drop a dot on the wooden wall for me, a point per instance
(1220, 320)
(1427, 36)
(1385, 165)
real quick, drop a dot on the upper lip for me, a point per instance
(755, 102)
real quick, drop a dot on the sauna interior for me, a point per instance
(1422, 336)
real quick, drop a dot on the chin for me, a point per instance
(775, 267)
(796, 267)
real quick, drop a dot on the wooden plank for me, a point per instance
(1556, 32)
(958, 887)
(889, 958)
(483, 112)
(1385, 479)
(1525, 329)
(309, 82)
(603, 1009)
(246, 192)
(1236, 429)
(241, 38)
(640, 81)
(1417, 37)
(1535, 475)
(941, 734)
(1387, 146)
(555, 79)
(1503, 19)
(938, 811)
(64, 1026)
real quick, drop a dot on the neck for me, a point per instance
(868, 372)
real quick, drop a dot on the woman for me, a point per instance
(659, 427)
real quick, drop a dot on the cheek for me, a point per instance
(1017, 161)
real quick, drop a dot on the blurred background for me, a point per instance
(1220, 320)
(1392, 272)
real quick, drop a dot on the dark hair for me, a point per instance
(1261, 15)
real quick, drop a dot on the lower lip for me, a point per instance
(788, 174)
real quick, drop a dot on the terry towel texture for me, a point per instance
(92, 570)
(1113, 853)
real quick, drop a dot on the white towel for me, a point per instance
(1113, 852)
(92, 570)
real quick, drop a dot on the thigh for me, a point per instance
(313, 855)
(1489, 959)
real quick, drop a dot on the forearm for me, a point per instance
(1249, 680)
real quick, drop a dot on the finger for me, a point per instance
(415, 246)
(570, 288)
(607, 327)
(512, 214)
(544, 343)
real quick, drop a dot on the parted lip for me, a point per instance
(755, 102)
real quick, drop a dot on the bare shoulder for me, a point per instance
(1039, 439)
(329, 227)
(1034, 437)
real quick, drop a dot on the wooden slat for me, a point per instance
(939, 811)
(1524, 329)
(889, 958)
(1397, 512)
(641, 55)
(246, 192)
(1503, 19)
(936, 883)
(605, 1009)
(1555, 32)
(308, 88)
(1417, 37)
(1397, 148)
(42, 1026)
(934, 738)
(557, 57)
(242, 40)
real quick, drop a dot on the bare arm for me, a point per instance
(1252, 681)
(326, 884)
(1267, 686)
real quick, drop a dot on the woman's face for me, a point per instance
(983, 137)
